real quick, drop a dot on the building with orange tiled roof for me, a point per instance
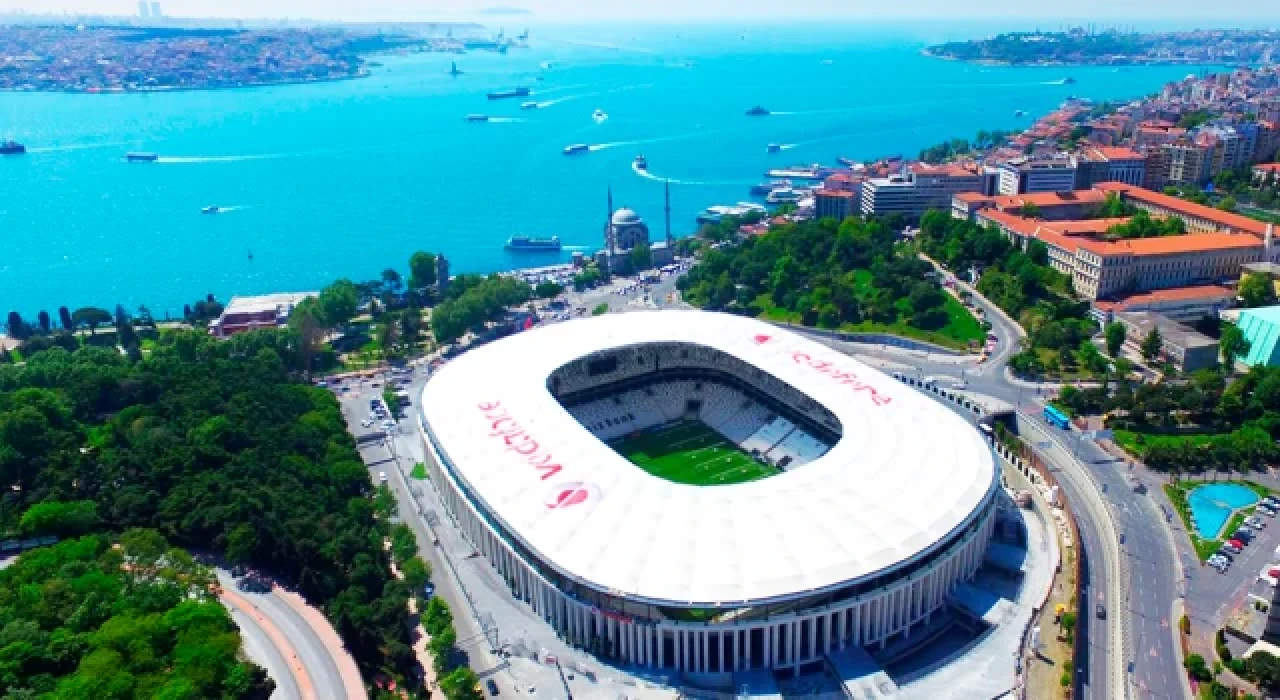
(1050, 206)
(1180, 303)
(1198, 217)
(1265, 171)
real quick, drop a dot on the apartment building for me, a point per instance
(921, 188)
(1029, 176)
(1189, 163)
(1110, 164)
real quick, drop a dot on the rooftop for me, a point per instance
(265, 302)
(880, 498)
(1225, 218)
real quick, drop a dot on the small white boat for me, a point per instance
(599, 116)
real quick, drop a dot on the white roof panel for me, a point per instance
(906, 472)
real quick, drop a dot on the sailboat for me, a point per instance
(453, 69)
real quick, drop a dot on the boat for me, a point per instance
(1068, 80)
(773, 148)
(576, 148)
(12, 148)
(799, 172)
(1019, 113)
(599, 115)
(528, 105)
(453, 69)
(505, 94)
(138, 157)
(211, 210)
(477, 117)
(765, 188)
(525, 243)
(640, 163)
(758, 111)
(715, 214)
(783, 195)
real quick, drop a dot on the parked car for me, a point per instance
(1222, 554)
(1255, 522)
(1265, 511)
(1227, 546)
(490, 686)
(1101, 611)
(382, 477)
(1236, 543)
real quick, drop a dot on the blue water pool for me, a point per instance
(1212, 504)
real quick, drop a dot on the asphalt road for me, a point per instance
(303, 643)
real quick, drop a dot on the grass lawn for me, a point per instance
(689, 452)
(1137, 444)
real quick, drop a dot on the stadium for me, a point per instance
(706, 493)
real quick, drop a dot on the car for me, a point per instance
(388, 425)
(1265, 511)
(382, 477)
(1236, 543)
(1255, 522)
(373, 403)
(1101, 611)
(429, 589)
(366, 423)
(1222, 554)
(1231, 548)
(1217, 559)
(490, 686)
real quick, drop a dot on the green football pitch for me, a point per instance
(689, 452)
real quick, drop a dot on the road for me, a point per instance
(1148, 551)
(309, 669)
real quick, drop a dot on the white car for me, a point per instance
(366, 423)
(382, 477)
(1266, 511)
(388, 425)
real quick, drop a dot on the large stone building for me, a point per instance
(1029, 176)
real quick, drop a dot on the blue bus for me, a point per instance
(1056, 418)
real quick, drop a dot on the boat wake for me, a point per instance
(506, 120)
(77, 147)
(644, 173)
(193, 160)
(559, 88)
(787, 146)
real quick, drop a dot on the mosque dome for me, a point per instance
(625, 217)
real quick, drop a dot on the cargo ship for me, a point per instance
(758, 111)
(576, 148)
(12, 148)
(525, 243)
(141, 157)
(507, 94)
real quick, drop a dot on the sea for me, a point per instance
(346, 179)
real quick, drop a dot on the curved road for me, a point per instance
(313, 670)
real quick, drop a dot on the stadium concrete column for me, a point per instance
(704, 651)
(768, 647)
(793, 636)
(840, 628)
(682, 649)
(722, 651)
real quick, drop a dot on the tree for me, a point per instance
(416, 573)
(392, 284)
(17, 327)
(1233, 345)
(461, 684)
(46, 323)
(62, 518)
(1265, 667)
(1115, 336)
(339, 302)
(1196, 668)
(1257, 289)
(1151, 345)
(1068, 623)
(422, 270)
(1228, 203)
(641, 257)
(547, 290)
(92, 317)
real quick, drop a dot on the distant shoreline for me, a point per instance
(185, 88)
(928, 52)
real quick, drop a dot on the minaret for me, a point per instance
(608, 224)
(1268, 240)
(666, 193)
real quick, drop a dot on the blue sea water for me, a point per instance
(345, 179)
(1212, 504)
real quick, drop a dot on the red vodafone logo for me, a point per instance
(571, 493)
(762, 339)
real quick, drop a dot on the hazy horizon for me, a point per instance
(1237, 12)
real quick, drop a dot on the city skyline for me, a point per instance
(1249, 11)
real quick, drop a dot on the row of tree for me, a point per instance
(473, 301)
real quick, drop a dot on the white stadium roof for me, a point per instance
(906, 473)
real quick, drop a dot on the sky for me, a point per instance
(1220, 13)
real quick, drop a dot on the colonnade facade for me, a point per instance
(783, 641)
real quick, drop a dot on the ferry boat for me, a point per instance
(758, 111)
(505, 94)
(783, 195)
(813, 172)
(773, 148)
(12, 148)
(765, 188)
(525, 243)
(528, 105)
(576, 148)
(138, 157)
(640, 163)
(477, 117)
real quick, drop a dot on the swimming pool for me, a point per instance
(1212, 504)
